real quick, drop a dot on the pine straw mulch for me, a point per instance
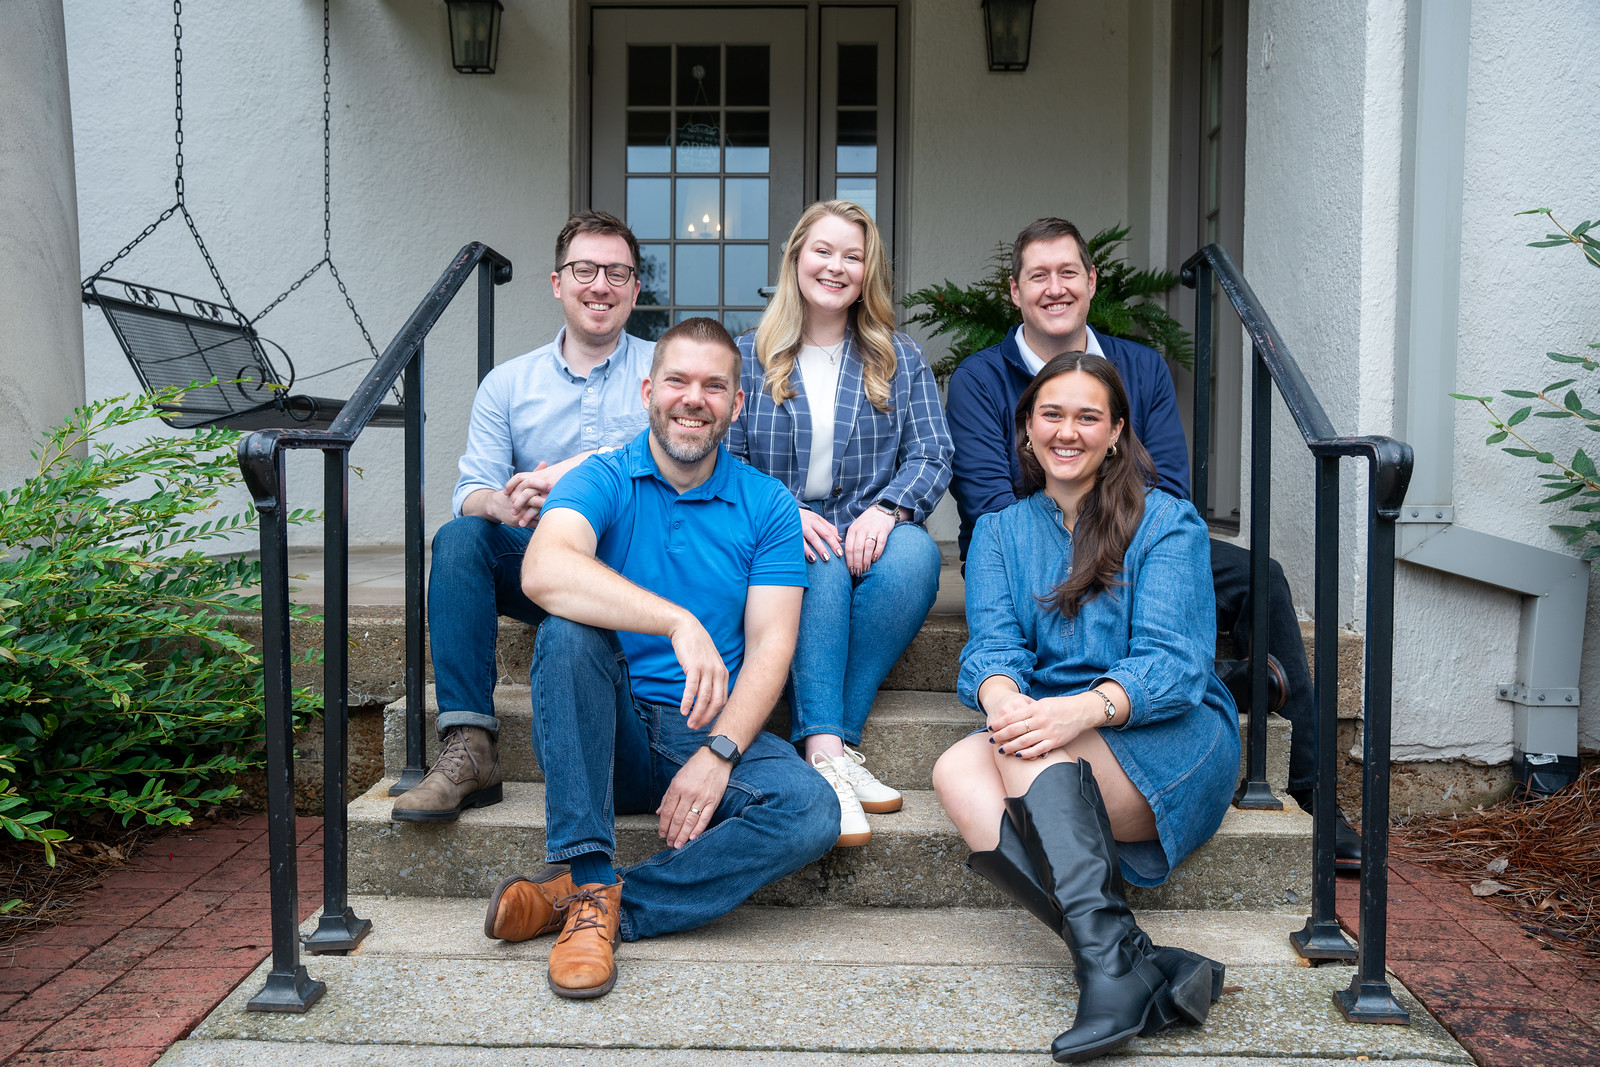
(1536, 860)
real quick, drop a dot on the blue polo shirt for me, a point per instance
(702, 549)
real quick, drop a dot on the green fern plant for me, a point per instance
(979, 315)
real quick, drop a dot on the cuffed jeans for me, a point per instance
(606, 753)
(1230, 572)
(854, 629)
(475, 577)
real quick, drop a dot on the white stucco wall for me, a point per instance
(41, 342)
(424, 160)
(1532, 96)
(1324, 188)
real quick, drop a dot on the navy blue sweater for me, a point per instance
(982, 401)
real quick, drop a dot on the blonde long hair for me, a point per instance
(778, 335)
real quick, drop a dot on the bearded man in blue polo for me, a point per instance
(673, 575)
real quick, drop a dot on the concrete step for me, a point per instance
(905, 734)
(1258, 859)
(784, 988)
(377, 664)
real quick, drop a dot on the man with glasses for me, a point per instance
(534, 419)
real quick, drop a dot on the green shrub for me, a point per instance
(1576, 480)
(122, 693)
(980, 315)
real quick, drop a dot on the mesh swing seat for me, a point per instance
(209, 348)
(175, 340)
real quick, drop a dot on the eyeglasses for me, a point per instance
(584, 271)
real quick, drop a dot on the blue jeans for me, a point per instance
(475, 577)
(853, 630)
(606, 753)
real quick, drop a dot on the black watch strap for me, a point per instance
(723, 746)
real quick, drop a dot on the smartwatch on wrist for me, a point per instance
(891, 510)
(722, 746)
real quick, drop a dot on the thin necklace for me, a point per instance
(833, 356)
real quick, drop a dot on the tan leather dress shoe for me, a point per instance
(524, 907)
(582, 963)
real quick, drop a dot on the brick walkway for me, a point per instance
(1507, 999)
(150, 951)
(159, 944)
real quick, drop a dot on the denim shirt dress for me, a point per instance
(1155, 636)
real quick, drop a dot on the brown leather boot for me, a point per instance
(524, 907)
(466, 775)
(582, 964)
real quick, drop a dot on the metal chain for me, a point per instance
(177, 109)
(327, 140)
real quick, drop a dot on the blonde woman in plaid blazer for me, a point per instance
(844, 411)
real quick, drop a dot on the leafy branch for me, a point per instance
(1578, 479)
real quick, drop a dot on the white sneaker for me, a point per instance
(853, 829)
(873, 794)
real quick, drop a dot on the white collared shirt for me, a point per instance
(1091, 345)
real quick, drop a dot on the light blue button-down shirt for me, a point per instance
(533, 409)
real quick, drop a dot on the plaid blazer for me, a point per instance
(901, 455)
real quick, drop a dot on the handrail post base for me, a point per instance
(337, 934)
(1256, 796)
(410, 778)
(1370, 1002)
(1322, 942)
(293, 993)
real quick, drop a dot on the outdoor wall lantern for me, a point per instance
(474, 34)
(1009, 24)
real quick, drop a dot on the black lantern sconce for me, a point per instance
(474, 34)
(1009, 26)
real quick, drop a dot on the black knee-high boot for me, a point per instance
(1064, 826)
(1193, 981)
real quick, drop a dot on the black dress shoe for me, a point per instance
(1235, 674)
(1346, 846)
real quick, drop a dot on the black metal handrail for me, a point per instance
(1368, 998)
(262, 459)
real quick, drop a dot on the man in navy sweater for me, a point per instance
(1052, 283)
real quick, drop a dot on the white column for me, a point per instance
(41, 321)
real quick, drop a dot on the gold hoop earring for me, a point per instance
(1027, 445)
(1112, 451)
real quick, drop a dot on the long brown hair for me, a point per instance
(778, 335)
(1113, 507)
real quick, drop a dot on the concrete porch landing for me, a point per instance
(784, 986)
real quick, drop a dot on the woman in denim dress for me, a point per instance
(1111, 748)
(844, 410)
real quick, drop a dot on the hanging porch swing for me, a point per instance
(172, 339)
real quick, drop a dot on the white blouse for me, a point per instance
(820, 377)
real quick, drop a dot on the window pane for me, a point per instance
(696, 274)
(649, 140)
(861, 191)
(699, 75)
(744, 270)
(649, 75)
(647, 324)
(699, 142)
(858, 74)
(856, 158)
(747, 142)
(649, 207)
(858, 139)
(655, 275)
(698, 216)
(689, 313)
(738, 322)
(749, 75)
(746, 215)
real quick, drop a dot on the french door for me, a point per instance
(712, 128)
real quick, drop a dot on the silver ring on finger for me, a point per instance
(694, 811)
(1027, 726)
